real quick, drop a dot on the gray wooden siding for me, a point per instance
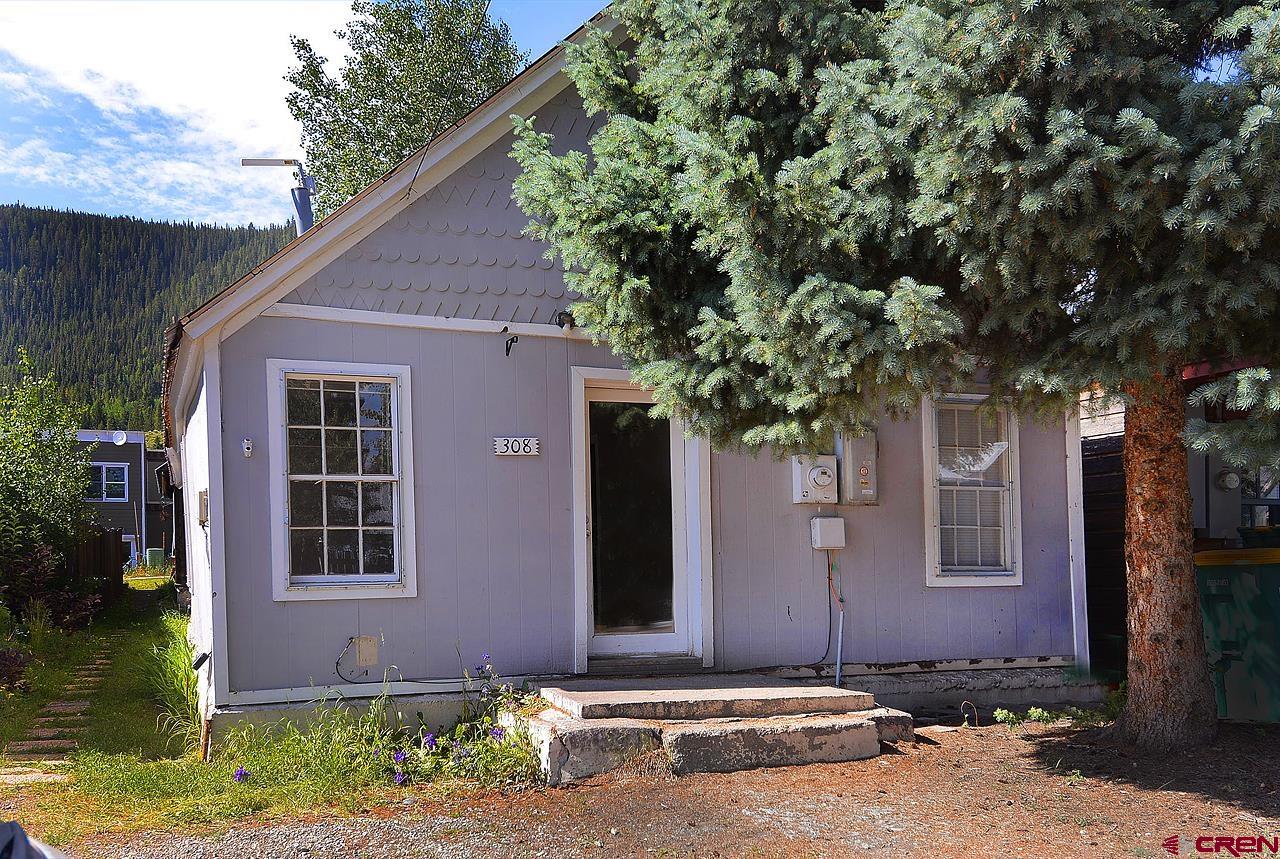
(771, 591)
(459, 250)
(494, 544)
(494, 534)
(123, 515)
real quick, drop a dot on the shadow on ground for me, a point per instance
(1241, 768)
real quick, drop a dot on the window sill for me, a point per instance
(969, 580)
(371, 591)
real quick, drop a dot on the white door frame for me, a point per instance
(691, 543)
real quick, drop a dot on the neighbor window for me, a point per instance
(971, 493)
(343, 491)
(108, 481)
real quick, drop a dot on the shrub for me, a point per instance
(43, 477)
(40, 577)
(176, 686)
(13, 668)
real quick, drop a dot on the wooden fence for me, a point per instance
(99, 563)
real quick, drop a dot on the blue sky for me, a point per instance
(144, 108)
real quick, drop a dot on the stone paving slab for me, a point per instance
(60, 733)
(72, 707)
(31, 777)
(26, 747)
(68, 720)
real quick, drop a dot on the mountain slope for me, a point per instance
(90, 296)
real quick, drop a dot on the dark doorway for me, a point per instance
(631, 537)
(1104, 502)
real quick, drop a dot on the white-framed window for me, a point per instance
(108, 481)
(342, 493)
(972, 508)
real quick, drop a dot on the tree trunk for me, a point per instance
(1170, 696)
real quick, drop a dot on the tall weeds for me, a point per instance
(175, 684)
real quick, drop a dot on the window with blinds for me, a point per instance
(974, 461)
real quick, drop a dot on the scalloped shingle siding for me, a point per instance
(459, 250)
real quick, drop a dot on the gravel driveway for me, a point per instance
(1043, 791)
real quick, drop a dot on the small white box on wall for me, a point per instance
(827, 532)
(813, 480)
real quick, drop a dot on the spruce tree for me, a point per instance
(798, 213)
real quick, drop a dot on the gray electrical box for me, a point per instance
(813, 480)
(859, 455)
(826, 532)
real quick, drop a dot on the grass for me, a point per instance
(58, 654)
(130, 775)
(174, 683)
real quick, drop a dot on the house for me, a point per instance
(396, 453)
(118, 477)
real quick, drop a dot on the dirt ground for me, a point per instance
(1038, 791)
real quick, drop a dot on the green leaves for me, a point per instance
(797, 213)
(414, 68)
(44, 473)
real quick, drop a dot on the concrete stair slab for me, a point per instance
(571, 749)
(693, 697)
(892, 726)
(730, 745)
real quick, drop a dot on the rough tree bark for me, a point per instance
(1170, 696)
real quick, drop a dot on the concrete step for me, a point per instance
(694, 697)
(571, 749)
(730, 745)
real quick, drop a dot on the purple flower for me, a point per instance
(497, 733)
(240, 775)
(401, 778)
(399, 756)
(429, 741)
(484, 657)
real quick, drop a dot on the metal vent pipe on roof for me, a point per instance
(301, 193)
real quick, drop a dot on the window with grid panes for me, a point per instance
(973, 461)
(343, 479)
(108, 481)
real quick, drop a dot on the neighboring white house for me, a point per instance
(394, 459)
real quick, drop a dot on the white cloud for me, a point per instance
(23, 87)
(215, 68)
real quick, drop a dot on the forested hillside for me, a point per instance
(90, 296)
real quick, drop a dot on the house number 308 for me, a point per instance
(515, 447)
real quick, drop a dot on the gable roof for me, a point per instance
(377, 203)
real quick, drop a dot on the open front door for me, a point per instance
(642, 538)
(635, 467)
